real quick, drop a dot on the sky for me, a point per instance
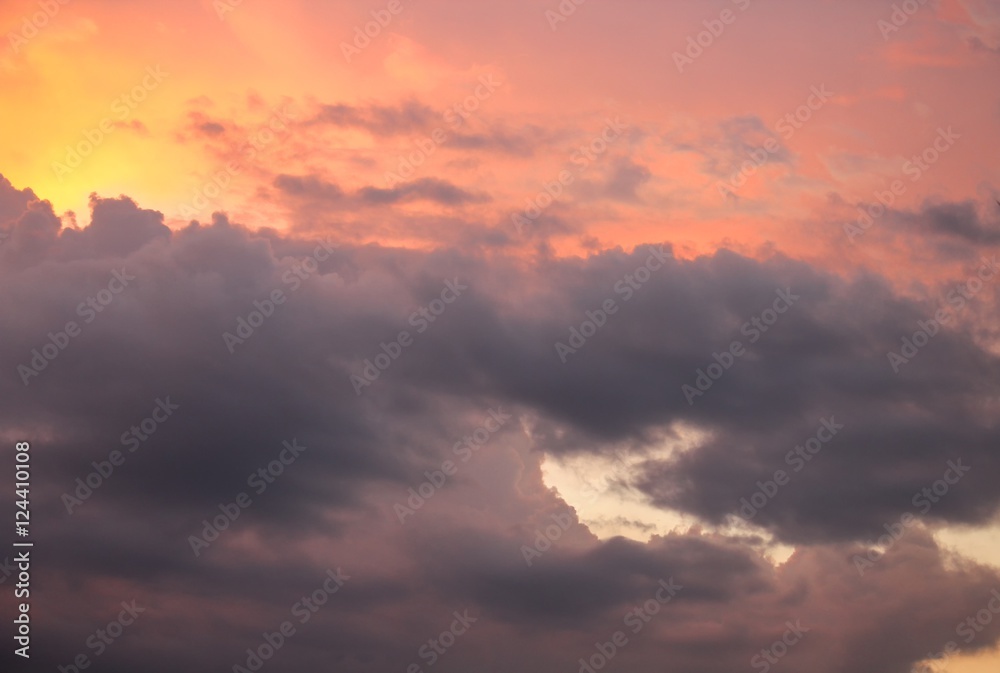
(417, 335)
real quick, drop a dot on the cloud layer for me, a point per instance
(161, 336)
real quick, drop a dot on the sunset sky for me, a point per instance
(550, 292)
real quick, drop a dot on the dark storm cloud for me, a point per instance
(826, 356)
(617, 573)
(162, 335)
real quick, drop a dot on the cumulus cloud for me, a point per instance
(463, 549)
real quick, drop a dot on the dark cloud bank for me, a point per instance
(160, 335)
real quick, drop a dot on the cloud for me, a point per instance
(961, 221)
(428, 189)
(730, 142)
(309, 186)
(379, 120)
(413, 117)
(626, 177)
(462, 549)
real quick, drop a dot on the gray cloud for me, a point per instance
(429, 189)
(494, 346)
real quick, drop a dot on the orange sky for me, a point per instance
(687, 132)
